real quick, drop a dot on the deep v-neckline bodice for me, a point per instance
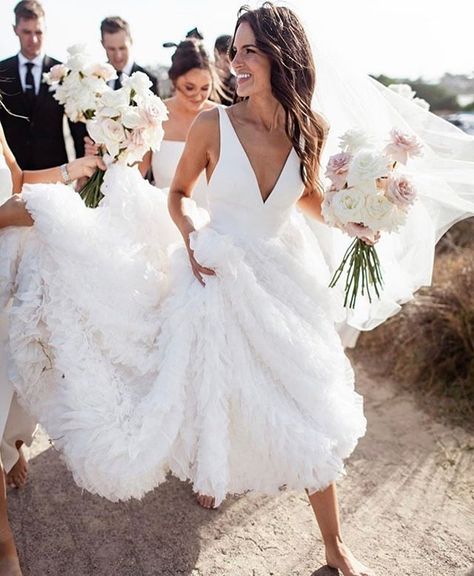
(263, 199)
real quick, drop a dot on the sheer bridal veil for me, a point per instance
(444, 175)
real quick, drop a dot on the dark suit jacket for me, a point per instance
(154, 87)
(39, 142)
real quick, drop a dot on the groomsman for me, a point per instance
(37, 141)
(117, 43)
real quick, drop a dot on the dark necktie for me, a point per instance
(118, 81)
(30, 81)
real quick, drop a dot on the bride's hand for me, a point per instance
(199, 270)
(85, 167)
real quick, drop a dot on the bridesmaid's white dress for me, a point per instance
(164, 164)
(136, 370)
(15, 423)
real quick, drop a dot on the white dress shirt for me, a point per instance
(36, 70)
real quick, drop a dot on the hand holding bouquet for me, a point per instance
(368, 195)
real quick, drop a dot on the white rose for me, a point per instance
(366, 167)
(94, 129)
(114, 135)
(105, 71)
(153, 137)
(381, 214)
(347, 205)
(78, 62)
(113, 103)
(154, 110)
(77, 49)
(354, 140)
(138, 82)
(56, 74)
(131, 118)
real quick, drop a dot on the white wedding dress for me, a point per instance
(136, 370)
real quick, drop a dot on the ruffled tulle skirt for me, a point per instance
(136, 370)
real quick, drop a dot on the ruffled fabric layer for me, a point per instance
(136, 370)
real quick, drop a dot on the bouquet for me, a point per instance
(126, 124)
(79, 84)
(368, 195)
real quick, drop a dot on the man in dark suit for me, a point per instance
(117, 43)
(38, 141)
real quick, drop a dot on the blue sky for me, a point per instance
(400, 38)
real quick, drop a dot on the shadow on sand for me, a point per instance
(61, 529)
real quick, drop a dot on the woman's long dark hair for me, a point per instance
(280, 35)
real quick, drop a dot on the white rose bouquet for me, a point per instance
(126, 124)
(368, 195)
(79, 83)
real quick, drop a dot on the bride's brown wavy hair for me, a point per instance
(280, 35)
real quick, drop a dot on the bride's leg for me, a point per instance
(338, 555)
(9, 564)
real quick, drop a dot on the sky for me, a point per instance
(403, 38)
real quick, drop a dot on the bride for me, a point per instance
(219, 363)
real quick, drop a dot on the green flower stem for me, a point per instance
(90, 192)
(363, 272)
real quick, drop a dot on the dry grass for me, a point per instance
(430, 344)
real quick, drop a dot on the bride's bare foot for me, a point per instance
(206, 501)
(9, 563)
(19, 473)
(340, 557)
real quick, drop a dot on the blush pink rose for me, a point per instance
(401, 191)
(337, 169)
(357, 230)
(403, 146)
(57, 72)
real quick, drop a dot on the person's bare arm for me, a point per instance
(311, 200)
(13, 212)
(78, 168)
(15, 170)
(145, 164)
(194, 160)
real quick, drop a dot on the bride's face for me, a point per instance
(252, 67)
(193, 89)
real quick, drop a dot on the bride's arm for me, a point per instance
(195, 158)
(311, 200)
(310, 203)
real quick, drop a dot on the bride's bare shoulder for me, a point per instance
(206, 122)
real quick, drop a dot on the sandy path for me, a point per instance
(406, 503)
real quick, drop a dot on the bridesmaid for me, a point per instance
(194, 82)
(16, 426)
